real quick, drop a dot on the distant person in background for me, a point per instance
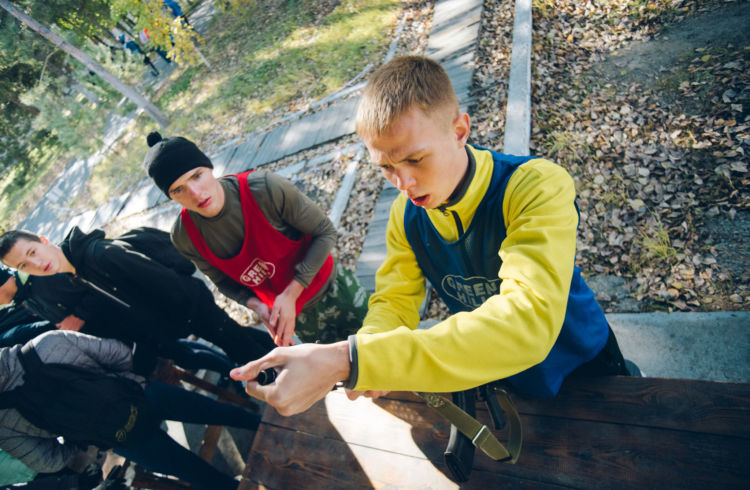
(174, 7)
(130, 45)
(146, 41)
(261, 241)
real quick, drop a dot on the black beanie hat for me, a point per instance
(167, 159)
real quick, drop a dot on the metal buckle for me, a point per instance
(481, 436)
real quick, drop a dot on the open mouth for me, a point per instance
(419, 201)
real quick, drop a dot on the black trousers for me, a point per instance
(241, 344)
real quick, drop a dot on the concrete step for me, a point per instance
(700, 346)
(704, 346)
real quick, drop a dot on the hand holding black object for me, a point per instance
(266, 377)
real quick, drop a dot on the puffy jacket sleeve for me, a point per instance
(87, 351)
(514, 329)
(37, 449)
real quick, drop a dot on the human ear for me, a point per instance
(461, 128)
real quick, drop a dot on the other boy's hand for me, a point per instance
(71, 322)
(284, 313)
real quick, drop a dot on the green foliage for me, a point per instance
(656, 243)
(175, 37)
(278, 56)
(85, 18)
(267, 58)
(34, 157)
(180, 85)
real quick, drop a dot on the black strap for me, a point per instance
(30, 361)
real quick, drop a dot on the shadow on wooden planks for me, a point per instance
(614, 432)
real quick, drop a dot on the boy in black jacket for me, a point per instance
(143, 299)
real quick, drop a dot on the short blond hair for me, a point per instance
(404, 83)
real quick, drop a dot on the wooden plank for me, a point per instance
(337, 121)
(593, 455)
(222, 160)
(209, 442)
(408, 428)
(612, 432)
(345, 189)
(690, 405)
(296, 459)
(243, 158)
(678, 404)
(269, 149)
(570, 453)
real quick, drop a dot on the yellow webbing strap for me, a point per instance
(479, 434)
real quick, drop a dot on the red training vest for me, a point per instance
(266, 261)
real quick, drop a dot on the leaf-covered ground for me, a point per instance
(655, 131)
(646, 104)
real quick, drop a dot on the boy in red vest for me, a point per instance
(261, 241)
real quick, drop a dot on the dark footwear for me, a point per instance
(633, 369)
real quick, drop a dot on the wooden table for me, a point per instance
(615, 432)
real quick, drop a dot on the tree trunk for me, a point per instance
(28, 108)
(90, 63)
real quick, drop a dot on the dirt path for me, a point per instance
(651, 63)
(645, 61)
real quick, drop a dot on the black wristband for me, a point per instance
(353, 364)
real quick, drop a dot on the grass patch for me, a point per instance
(275, 57)
(266, 59)
(18, 199)
(180, 85)
(656, 244)
(568, 149)
(122, 170)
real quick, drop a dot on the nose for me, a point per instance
(36, 262)
(404, 180)
(193, 190)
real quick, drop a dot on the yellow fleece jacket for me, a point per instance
(514, 329)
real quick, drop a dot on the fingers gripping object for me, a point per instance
(266, 377)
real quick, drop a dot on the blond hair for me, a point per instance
(404, 83)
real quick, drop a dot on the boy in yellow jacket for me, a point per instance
(495, 234)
